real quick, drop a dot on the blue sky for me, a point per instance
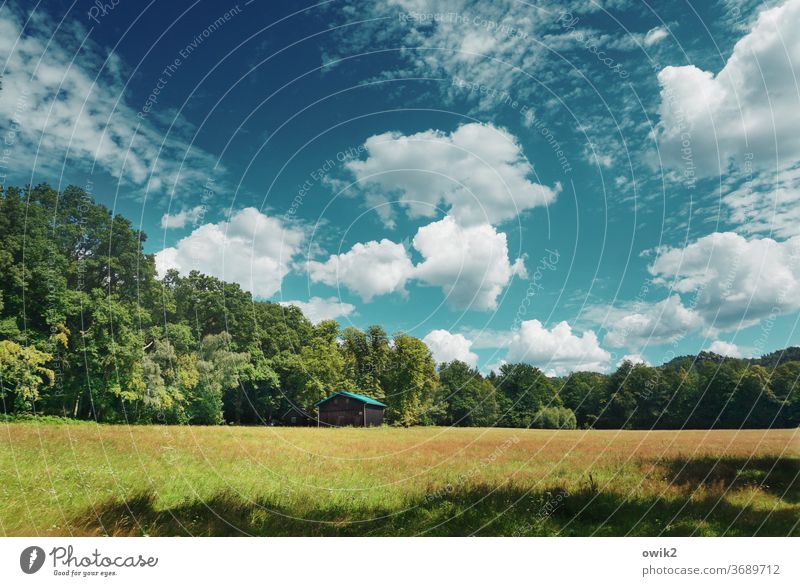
(559, 184)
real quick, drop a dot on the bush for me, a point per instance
(554, 418)
(41, 419)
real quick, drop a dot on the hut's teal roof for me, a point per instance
(364, 398)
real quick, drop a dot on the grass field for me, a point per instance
(70, 479)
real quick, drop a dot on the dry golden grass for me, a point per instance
(163, 480)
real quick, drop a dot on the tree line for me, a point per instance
(88, 331)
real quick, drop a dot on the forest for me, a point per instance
(88, 331)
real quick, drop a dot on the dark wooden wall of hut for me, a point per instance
(374, 415)
(346, 411)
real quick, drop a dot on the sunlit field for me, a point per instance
(87, 479)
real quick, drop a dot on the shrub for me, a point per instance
(554, 418)
(41, 419)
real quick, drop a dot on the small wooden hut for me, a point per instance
(344, 409)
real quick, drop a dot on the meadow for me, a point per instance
(89, 479)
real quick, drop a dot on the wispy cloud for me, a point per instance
(70, 106)
(182, 218)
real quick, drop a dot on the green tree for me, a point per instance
(316, 371)
(650, 396)
(218, 369)
(584, 394)
(366, 357)
(210, 306)
(411, 381)
(751, 402)
(257, 399)
(527, 391)
(785, 380)
(716, 384)
(620, 403)
(785, 384)
(680, 390)
(113, 352)
(281, 329)
(22, 375)
(468, 398)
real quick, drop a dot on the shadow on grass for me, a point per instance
(775, 476)
(492, 510)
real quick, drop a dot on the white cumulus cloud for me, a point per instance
(650, 324)
(478, 174)
(634, 359)
(471, 264)
(447, 347)
(558, 350)
(318, 309)
(368, 269)
(725, 349)
(748, 110)
(732, 281)
(252, 249)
